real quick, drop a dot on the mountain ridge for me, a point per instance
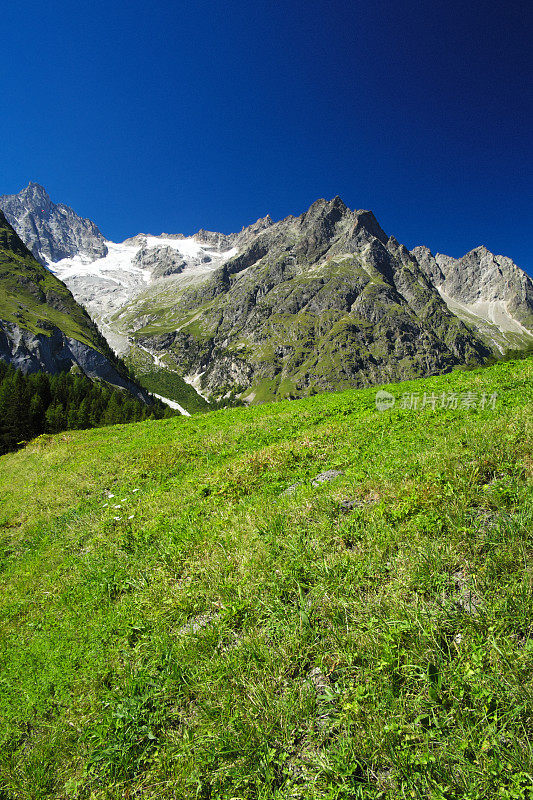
(215, 308)
(329, 271)
(484, 286)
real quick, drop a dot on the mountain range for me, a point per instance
(322, 301)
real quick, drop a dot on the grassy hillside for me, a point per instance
(185, 614)
(32, 298)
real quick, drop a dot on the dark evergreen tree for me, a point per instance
(41, 403)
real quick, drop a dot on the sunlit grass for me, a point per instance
(203, 632)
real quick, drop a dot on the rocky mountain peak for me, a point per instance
(263, 222)
(260, 225)
(322, 217)
(428, 264)
(52, 232)
(34, 189)
(322, 208)
(484, 289)
(221, 241)
(34, 192)
(367, 220)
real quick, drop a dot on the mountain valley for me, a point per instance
(320, 302)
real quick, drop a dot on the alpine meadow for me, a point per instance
(308, 599)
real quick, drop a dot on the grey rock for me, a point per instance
(59, 353)
(318, 680)
(326, 705)
(327, 476)
(51, 231)
(292, 488)
(489, 292)
(347, 505)
(466, 598)
(161, 261)
(197, 623)
(370, 498)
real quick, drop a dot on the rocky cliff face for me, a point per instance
(52, 232)
(54, 352)
(485, 290)
(41, 325)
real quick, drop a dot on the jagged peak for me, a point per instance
(31, 191)
(481, 250)
(259, 224)
(322, 203)
(35, 188)
(367, 220)
(337, 202)
(421, 248)
(323, 210)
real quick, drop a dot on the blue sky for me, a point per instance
(173, 116)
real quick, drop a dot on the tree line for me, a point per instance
(42, 403)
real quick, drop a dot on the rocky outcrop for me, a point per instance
(56, 352)
(160, 261)
(486, 290)
(52, 232)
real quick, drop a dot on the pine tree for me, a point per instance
(38, 403)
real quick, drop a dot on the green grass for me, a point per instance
(21, 308)
(33, 298)
(227, 638)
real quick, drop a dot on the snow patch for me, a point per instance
(118, 267)
(114, 266)
(494, 311)
(172, 404)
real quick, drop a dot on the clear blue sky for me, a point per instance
(171, 116)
